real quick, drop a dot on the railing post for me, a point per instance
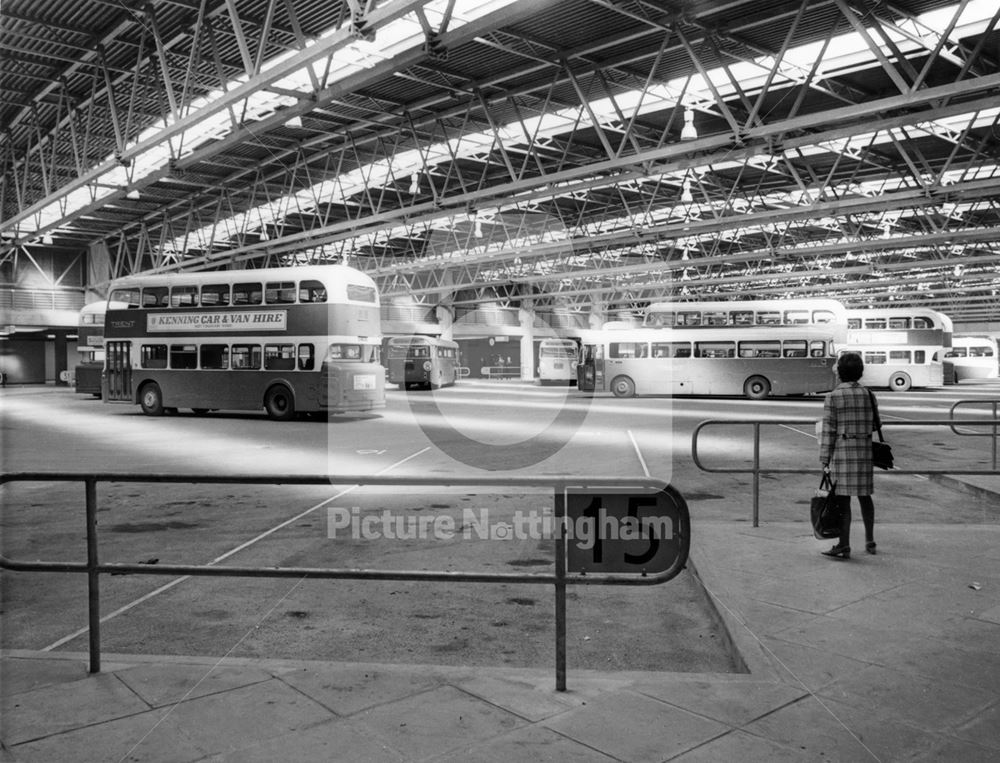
(93, 578)
(756, 474)
(560, 586)
(994, 435)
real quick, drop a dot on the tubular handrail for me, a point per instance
(559, 579)
(994, 407)
(756, 470)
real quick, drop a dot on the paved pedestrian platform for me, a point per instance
(888, 657)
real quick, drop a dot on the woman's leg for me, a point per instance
(868, 517)
(844, 504)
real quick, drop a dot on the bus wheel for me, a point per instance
(279, 403)
(900, 382)
(757, 388)
(151, 399)
(622, 386)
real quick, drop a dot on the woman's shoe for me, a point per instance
(870, 547)
(843, 552)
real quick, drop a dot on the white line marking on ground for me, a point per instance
(638, 453)
(242, 546)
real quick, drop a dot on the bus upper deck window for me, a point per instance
(312, 291)
(689, 319)
(280, 293)
(184, 296)
(902, 323)
(796, 317)
(247, 293)
(770, 318)
(923, 323)
(822, 317)
(741, 318)
(715, 319)
(129, 297)
(155, 296)
(854, 323)
(215, 295)
(875, 323)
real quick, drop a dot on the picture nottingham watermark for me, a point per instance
(476, 524)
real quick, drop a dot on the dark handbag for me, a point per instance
(881, 450)
(823, 511)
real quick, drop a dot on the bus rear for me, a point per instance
(422, 361)
(557, 359)
(90, 345)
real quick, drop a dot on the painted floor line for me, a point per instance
(638, 452)
(223, 557)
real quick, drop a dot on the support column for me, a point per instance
(598, 313)
(445, 319)
(98, 271)
(526, 317)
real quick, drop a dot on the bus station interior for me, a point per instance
(505, 172)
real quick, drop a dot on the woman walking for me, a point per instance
(850, 415)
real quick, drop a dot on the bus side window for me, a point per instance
(795, 348)
(155, 296)
(215, 356)
(153, 356)
(279, 357)
(129, 297)
(184, 296)
(306, 357)
(246, 357)
(682, 350)
(247, 293)
(215, 295)
(817, 349)
(279, 293)
(183, 356)
(312, 291)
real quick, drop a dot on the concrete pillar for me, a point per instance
(526, 317)
(445, 319)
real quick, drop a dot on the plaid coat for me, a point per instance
(849, 410)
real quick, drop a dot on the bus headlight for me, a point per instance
(427, 365)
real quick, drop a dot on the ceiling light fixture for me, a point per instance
(47, 239)
(414, 183)
(689, 131)
(686, 196)
(133, 194)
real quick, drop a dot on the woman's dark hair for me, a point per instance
(850, 367)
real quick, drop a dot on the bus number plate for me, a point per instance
(364, 381)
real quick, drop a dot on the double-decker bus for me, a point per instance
(424, 361)
(737, 315)
(90, 345)
(557, 358)
(902, 348)
(297, 339)
(755, 361)
(973, 357)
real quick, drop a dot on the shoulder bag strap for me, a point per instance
(871, 396)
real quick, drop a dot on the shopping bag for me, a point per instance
(823, 512)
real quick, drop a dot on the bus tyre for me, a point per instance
(151, 399)
(757, 388)
(900, 382)
(279, 404)
(622, 386)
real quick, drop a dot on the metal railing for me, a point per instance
(757, 470)
(994, 411)
(559, 579)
